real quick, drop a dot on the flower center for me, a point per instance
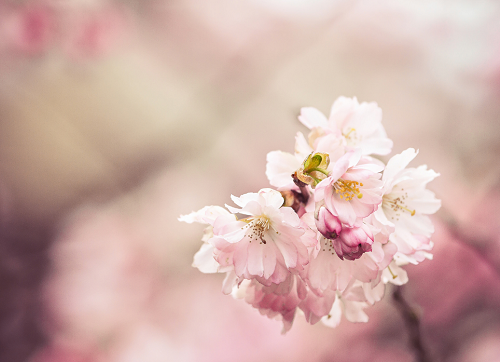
(348, 134)
(397, 204)
(347, 189)
(257, 225)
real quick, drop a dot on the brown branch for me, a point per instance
(412, 322)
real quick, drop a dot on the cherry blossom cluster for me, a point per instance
(336, 228)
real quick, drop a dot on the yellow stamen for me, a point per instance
(257, 225)
(399, 204)
(350, 131)
(347, 189)
(390, 271)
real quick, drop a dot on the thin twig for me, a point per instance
(412, 323)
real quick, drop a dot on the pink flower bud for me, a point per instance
(353, 242)
(328, 224)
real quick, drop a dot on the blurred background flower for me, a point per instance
(118, 116)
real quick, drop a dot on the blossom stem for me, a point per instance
(316, 180)
(324, 172)
(305, 194)
(412, 323)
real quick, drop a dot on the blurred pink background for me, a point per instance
(118, 116)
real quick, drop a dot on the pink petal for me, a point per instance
(344, 210)
(269, 260)
(255, 264)
(240, 258)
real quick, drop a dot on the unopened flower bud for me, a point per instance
(353, 242)
(328, 224)
(313, 170)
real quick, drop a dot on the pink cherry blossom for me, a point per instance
(405, 205)
(204, 259)
(265, 245)
(316, 306)
(335, 233)
(349, 303)
(356, 293)
(352, 124)
(327, 271)
(353, 189)
(275, 301)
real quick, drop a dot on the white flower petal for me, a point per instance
(273, 198)
(311, 118)
(302, 148)
(354, 311)
(397, 163)
(333, 318)
(204, 259)
(279, 168)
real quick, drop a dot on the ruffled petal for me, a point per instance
(204, 259)
(311, 118)
(279, 168)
